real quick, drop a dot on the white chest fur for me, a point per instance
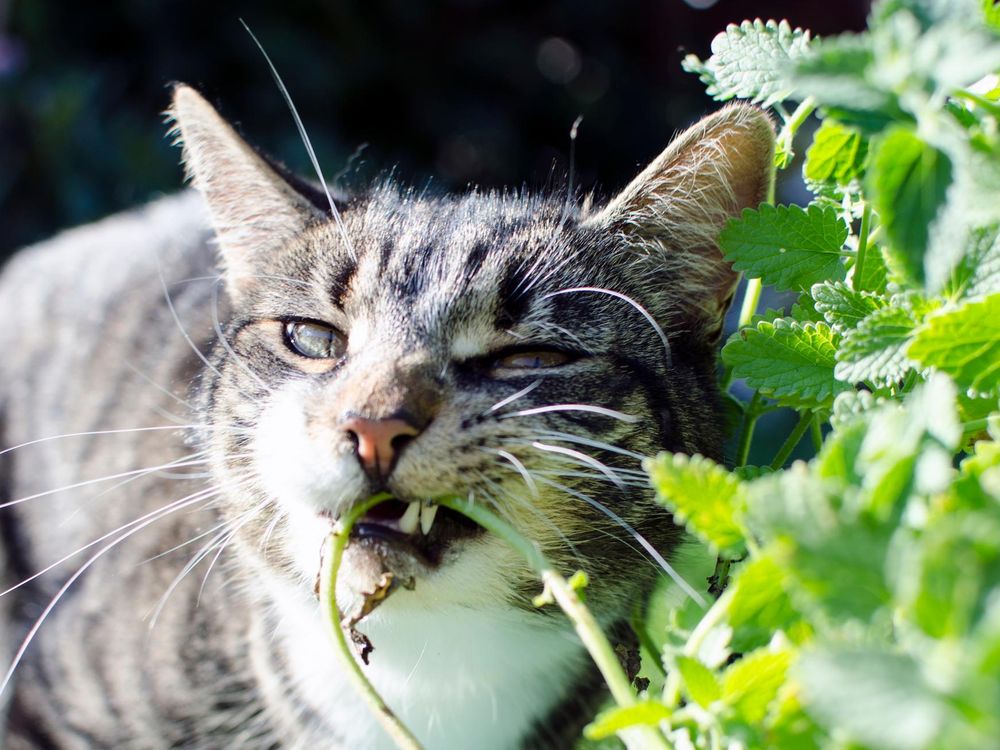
(460, 678)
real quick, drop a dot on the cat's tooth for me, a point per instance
(408, 521)
(427, 513)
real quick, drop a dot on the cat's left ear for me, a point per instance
(255, 206)
(672, 213)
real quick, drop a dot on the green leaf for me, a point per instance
(991, 13)
(978, 273)
(877, 698)
(614, 720)
(787, 361)
(875, 349)
(703, 495)
(965, 343)
(837, 73)
(875, 274)
(837, 155)
(787, 246)
(701, 684)
(748, 61)
(760, 605)
(804, 310)
(750, 684)
(843, 307)
(908, 182)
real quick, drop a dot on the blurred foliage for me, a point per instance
(464, 91)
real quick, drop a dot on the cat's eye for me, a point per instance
(532, 360)
(315, 340)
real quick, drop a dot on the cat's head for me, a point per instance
(508, 348)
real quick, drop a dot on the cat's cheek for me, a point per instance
(295, 469)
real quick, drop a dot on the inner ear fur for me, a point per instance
(673, 211)
(255, 207)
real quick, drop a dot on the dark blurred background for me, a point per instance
(455, 91)
(460, 91)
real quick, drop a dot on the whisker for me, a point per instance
(305, 141)
(630, 418)
(580, 456)
(516, 463)
(160, 388)
(624, 298)
(177, 320)
(229, 527)
(164, 510)
(542, 515)
(91, 433)
(88, 482)
(512, 398)
(62, 591)
(570, 438)
(667, 567)
(221, 336)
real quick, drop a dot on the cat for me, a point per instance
(220, 374)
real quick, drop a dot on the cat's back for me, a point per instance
(94, 340)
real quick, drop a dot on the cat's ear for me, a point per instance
(254, 206)
(673, 211)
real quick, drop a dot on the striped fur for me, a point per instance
(139, 323)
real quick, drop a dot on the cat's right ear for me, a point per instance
(671, 214)
(254, 208)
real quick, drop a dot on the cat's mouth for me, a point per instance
(422, 528)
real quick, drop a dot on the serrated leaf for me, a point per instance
(701, 684)
(837, 74)
(788, 361)
(748, 61)
(837, 155)
(875, 274)
(909, 180)
(978, 273)
(844, 307)
(879, 699)
(965, 343)
(703, 495)
(760, 606)
(611, 721)
(875, 348)
(787, 246)
(804, 310)
(751, 683)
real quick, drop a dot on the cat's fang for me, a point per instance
(408, 521)
(427, 513)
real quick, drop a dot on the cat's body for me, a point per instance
(451, 309)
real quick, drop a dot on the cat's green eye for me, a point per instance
(314, 340)
(532, 360)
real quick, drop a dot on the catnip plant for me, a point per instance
(859, 592)
(863, 606)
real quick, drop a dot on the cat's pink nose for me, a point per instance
(377, 442)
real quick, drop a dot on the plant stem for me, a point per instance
(750, 417)
(863, 236)
(586, 626)
(793, 122)
(793, 440)
(751, 297)
(646, 640)
(817, 433)
(748, 308)
(333, 553)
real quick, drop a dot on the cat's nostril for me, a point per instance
(378, 442)
(401, 441)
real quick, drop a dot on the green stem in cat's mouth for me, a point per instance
(559, 588)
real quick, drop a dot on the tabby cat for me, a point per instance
(219, 375)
